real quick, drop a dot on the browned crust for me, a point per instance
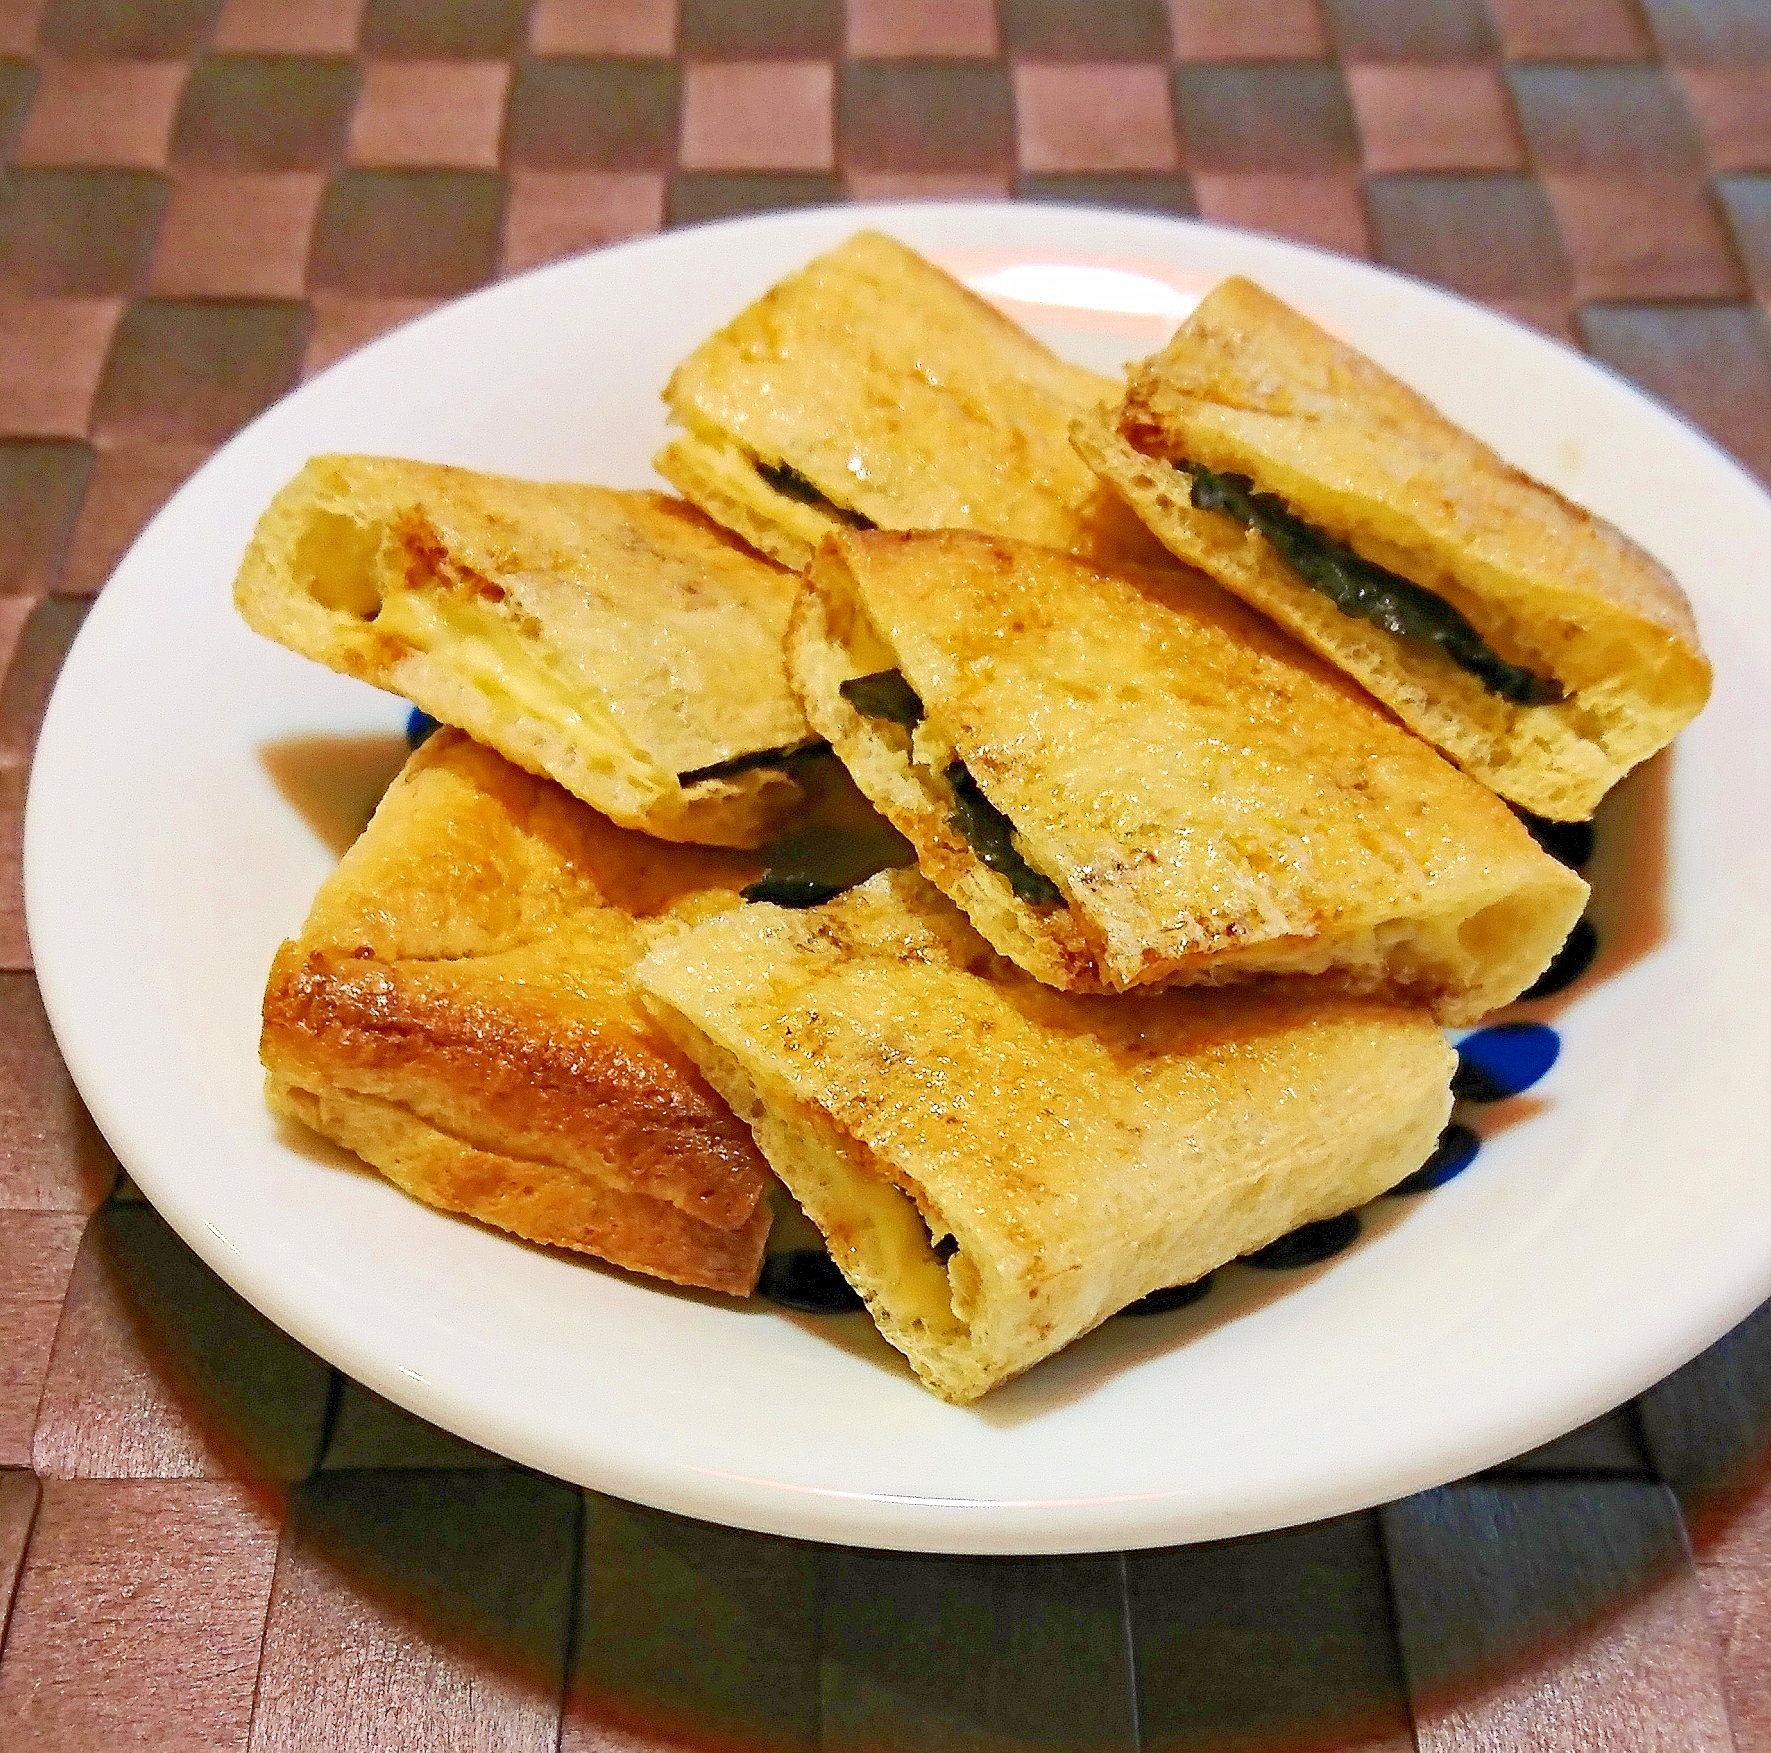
(1290, 356)
(595, 1098)
(538, 1202)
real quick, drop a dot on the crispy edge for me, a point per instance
(1242, 320)
(1514, 933)
(602, 1105)
(714, 466)
(1436, 701)
(815, 1155)
(538, 1203)
(1556, 760)
(1054, 946)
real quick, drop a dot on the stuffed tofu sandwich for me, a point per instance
(1535, 644)
(1128, 778)
(459, 1010)
(871, 390)
(997, 1167)
(617, 642)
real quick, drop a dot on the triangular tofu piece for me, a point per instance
(872, 390)
(1129, 778)
(459, 1010)
(616, 642)
(997, 1167)
(1534, 643)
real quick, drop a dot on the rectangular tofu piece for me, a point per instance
(619, 643)
(1540, 648)
(460, 1011)
(1128, 778)
(872, 390)
(998, 1167)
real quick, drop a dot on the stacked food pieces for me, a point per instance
(1534, 643)
(1191, 904)
(460, 1011)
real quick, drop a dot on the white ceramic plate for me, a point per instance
(1620, 1223)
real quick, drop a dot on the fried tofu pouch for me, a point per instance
(915, 1091)
(459, 1010)
(1250, 388)
(618, 643)
(1199, 799)
(871, 389)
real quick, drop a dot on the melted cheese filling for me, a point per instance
(882, 1226)
(481, 644)
(873, 1230)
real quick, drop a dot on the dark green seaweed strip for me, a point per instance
(991, 836)
(884, 694)
(792, 888)
(744, 763)
(791, 484)
(1363, 588)
(809, 865)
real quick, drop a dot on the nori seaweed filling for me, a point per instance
(791, 484)
(1361, 587)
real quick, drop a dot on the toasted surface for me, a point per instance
(460, 1011)
(550, 1205)
(1248, 386)
(898, 396)
(908, 1086)
(1211, 801)
(613, 641)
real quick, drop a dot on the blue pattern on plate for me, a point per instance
(1503, 1061)
(1308, 1245)
(1454, 1153)
(419, 725)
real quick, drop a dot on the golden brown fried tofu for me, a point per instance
(459, 1010)
(870, 389)
(997, 1167)
(619, 643)
(1535, 644)
(1129, 778)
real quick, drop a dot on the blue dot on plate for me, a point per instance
(1174, 1296)
(1495, 1063)
(419, 725)
(808, 1281)
(1454, 1153)
(1308, 1245)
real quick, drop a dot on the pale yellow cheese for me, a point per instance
(479, 643)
